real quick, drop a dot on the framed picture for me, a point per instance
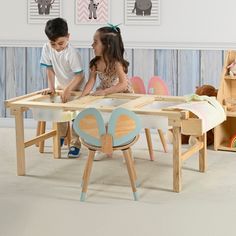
(142, 12)
(40, 11)
(92, 11)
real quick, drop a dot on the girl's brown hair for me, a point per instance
(113, 49)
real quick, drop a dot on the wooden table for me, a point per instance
(181, 121)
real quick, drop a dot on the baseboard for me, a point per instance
(10, 123)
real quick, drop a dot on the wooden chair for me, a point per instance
(120, 133)
(138, 87)
(158, 86)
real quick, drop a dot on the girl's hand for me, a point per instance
(49, 92)
(99, 93)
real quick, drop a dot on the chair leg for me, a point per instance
(42, 131)
(68, 135)
(149, 143)
(137, 183)
(163, 140)
(86, 175)
(131, 170)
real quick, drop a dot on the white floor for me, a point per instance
(46, 200)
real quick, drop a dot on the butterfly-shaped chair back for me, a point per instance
(123, 126)
(157, 86)
(120, 133)
(138, 85)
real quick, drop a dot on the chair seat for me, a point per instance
(120, 147)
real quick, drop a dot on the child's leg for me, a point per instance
(75, 141)
(75, 145)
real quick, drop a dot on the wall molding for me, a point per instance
(131, 45)
(9, 122)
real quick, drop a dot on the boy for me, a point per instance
(64, 71)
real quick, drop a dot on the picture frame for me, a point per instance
(92, 11)
(142, 12)
(40, 11)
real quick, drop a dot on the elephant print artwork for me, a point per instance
(142, 12)
(44, 6)
(39, 11)
(92, 7)
(142, 7)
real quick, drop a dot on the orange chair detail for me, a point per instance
(138, 85)
(157, 86)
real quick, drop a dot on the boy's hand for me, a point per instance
(49, 92)
(65, 95)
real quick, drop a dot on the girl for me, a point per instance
(108, 64)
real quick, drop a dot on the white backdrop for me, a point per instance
(203, 24)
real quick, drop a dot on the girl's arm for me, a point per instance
(91, 81)
(118, 88)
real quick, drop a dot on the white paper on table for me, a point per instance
(209, 110)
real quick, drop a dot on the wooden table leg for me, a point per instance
(177, 175)
(203, 153)
(20, 148)
(42, 131)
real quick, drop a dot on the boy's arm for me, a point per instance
(72, 86)
(51, 81)
(118, 88)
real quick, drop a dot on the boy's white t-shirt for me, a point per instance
(65, 63)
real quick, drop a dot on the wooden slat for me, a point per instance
(211, 66)
(188, 71)
(129, 57)
(143, 64)
(9, 102)
(138, 102)
(195, 148)
(15, 73)
(85, 57)
(35, 74)
(192, 126)
(2, 82)
(39, 138)
(166, 67)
